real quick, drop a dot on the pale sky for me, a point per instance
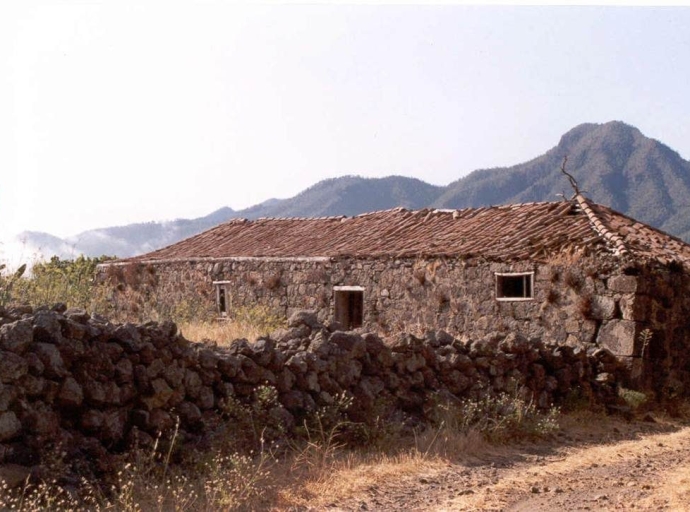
(118, 112)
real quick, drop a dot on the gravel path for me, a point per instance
(619, 466)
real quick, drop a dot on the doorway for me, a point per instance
(349, 306)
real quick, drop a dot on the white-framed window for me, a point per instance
(222, 297)
(514, 286)
(349, 306)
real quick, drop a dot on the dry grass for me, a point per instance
(222, 332)
(247, 323)
(310, 476)
(351, 473)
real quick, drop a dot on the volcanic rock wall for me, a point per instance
(79, 382)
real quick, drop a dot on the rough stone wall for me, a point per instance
(662, 306)
(94, 388)
(575, 302)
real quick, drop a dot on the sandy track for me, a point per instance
(628, 475)
(613, 466)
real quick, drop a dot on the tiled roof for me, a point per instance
(510, 232)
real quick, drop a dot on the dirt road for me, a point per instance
(613, 466)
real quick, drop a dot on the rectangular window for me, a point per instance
(222, 297)
(515, 286)
(349, 306)
(222, 305)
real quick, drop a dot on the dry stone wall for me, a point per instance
(94, 388)
(661, 308)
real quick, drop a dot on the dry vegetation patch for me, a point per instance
(246, 323)
(220, 332)
(375, 472)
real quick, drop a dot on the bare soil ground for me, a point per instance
(595, 463)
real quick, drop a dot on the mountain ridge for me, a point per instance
(613, 163)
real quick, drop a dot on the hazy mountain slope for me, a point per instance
(614, 165)
(122, 241)
(349, 195)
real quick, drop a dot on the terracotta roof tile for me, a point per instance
(506, 232)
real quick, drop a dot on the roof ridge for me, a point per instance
(620, 249)
(396, 209)
(329, 217)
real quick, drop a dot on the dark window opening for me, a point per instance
(514, 286)
(349, 307)
(223, 300)
(222, 306)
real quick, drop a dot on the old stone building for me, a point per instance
(569, 272)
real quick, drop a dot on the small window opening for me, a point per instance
(514, 286)
(349, 306)
(222, 307)
(222, 298)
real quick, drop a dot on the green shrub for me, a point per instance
(7, 284)
(633, 398)
(69, 281)
(499, 417)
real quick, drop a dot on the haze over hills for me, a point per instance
(119, 240)
(614, 164)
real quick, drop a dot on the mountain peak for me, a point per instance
(613, 162)
(587, 133)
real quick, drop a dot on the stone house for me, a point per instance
(570, 272)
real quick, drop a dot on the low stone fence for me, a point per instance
(88, 386)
